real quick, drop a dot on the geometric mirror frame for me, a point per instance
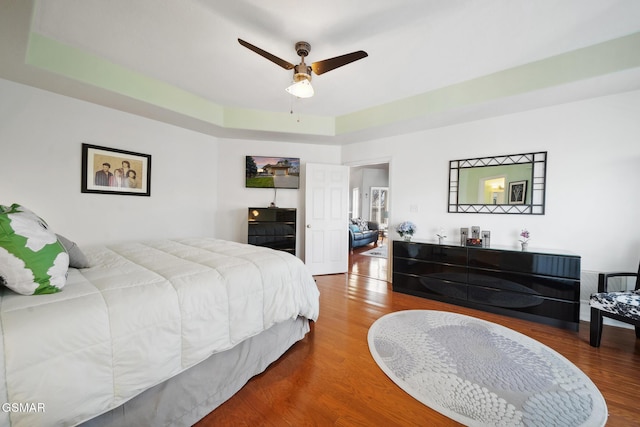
(506, 184)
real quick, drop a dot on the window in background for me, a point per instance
(355, 201)
(378, 206)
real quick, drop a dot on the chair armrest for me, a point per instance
(603, 279)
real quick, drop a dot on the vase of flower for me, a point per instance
(406, 230)
(524, 242)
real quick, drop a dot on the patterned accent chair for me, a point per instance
(619, 305)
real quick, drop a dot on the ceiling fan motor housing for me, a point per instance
(303, 49)
(301, 72)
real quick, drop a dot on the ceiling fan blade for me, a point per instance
(333, 63)
(278, 61)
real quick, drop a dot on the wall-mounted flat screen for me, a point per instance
(272, 172)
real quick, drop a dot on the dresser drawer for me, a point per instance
(271, 229)
(567, 311)
(436, 253)
(430, 269)
(274, 242)
(523, 262)
(431, 287)
(552, 287)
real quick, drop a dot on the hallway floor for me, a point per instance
(368, 266)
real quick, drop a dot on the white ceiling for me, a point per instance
(414, 46)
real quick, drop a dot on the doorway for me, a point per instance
(369, 201)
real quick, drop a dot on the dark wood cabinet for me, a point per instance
(538, 286)
(273, 227)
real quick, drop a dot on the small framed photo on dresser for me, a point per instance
(111, 171)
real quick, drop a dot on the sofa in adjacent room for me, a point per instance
(362, 232)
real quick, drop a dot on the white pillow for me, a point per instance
(32, 260)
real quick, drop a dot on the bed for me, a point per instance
(152, 333)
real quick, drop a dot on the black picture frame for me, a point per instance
(96, 179)
(517, 192)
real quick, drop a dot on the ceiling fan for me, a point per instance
(302, 72)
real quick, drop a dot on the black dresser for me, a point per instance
(273, 227)
(537, 286)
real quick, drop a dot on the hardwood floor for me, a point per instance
(330, 379)
(368, 266)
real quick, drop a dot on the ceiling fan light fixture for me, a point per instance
(301, 88)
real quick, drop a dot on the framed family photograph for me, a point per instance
(112, 171)
(517, 192)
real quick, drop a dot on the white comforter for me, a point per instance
(142, 313)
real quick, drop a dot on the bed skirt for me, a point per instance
(191, 395)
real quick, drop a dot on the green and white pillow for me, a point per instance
(32, 260)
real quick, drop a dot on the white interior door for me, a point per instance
(326, 218)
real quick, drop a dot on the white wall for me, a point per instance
(365, 178)
(355, 181)
(234, 199)
(40, 150)
(593, 171)
(198, 181)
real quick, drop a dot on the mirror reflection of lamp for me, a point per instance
(496, 188)
(494, 194)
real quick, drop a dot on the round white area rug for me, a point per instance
(483, 374)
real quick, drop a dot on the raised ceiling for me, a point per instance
(430, 63)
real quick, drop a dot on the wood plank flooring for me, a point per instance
(330, 379)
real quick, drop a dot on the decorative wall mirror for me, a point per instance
(509, 184)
